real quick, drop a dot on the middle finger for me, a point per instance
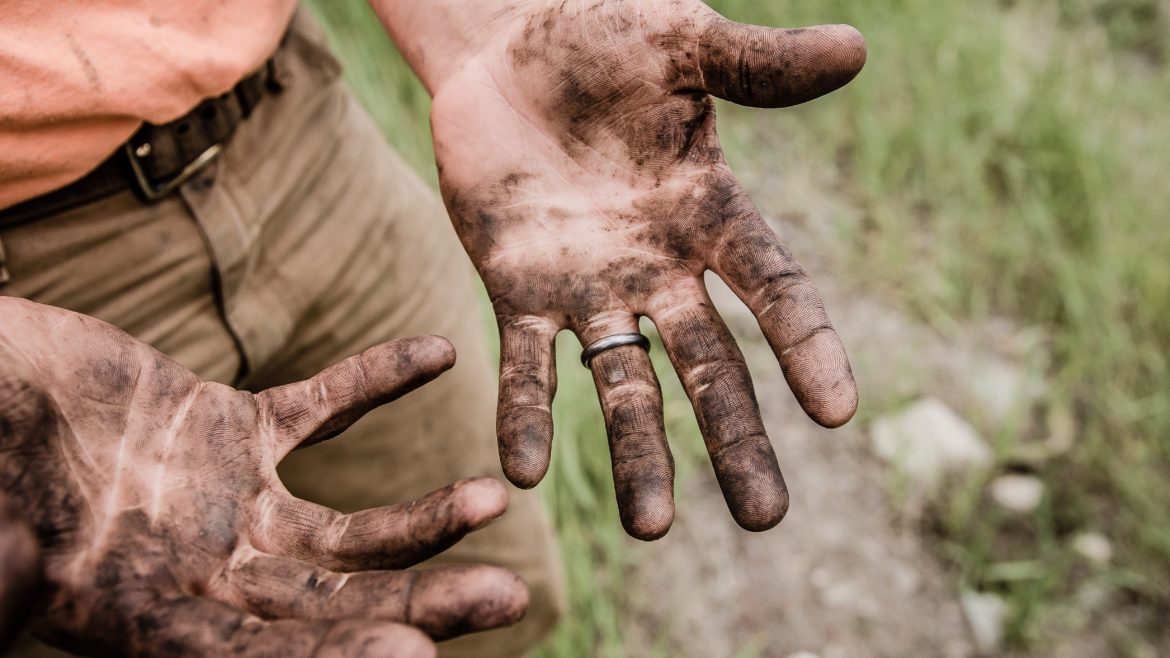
(643, 469)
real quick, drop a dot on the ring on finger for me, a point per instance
(609, 342)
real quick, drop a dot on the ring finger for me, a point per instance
(631, 402)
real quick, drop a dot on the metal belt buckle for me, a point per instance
(152, 191)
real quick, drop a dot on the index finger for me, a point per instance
(764, 274)
(317, 409)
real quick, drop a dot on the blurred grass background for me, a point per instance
(1008, 159)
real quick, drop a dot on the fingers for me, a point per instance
(528, 382)
(775, 67)
(146, 623)
(20, 568)
(382, 538)
(442, 602)
(716, 380)
(643, 469)
(320, 408)
(792, 317)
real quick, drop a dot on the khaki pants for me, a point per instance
(308, 241)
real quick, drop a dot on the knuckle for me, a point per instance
(807, 337)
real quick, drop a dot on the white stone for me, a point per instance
(1094, 547)
(927, 440)
(821, 578)
(985, 615)
(1018, 493)
(999, 388)
(803, 654)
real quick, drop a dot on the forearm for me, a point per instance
(437, 36)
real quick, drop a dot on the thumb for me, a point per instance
(320, 408)
(776, 67)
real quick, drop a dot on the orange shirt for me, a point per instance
(77, 77)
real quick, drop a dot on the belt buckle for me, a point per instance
(152, 191)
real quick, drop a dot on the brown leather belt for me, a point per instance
(158, 159)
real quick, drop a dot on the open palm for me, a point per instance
(579, 161)
(164, 528)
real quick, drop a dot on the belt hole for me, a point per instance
(183, 129)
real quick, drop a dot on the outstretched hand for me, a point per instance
(579, 161)
(163, 526)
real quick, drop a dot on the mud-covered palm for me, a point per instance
(165, 531)
(579, 161)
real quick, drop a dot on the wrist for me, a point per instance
(438, 37)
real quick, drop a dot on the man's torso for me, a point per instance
(78, 78)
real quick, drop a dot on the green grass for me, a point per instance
(1006, 159)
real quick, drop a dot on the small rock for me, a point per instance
(1017, 493)
(821, 578)
(1094, 547)
(985, 615)
(1093, 596)
(1001, 389)
(804, 654)
(906, 580)
(927, 440)
(840, 595)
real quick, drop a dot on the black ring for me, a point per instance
(609, 342)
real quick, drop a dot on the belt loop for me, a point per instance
(5, 276)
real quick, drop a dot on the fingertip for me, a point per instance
(649, 522)
(762, 511)
(645, 497)
(752, 484)
(833, 55)
(523, 477)
(451, 601)
(408, 361)
(483, 500)
(514, 597)
(440, 350)
(839, 410)
(852, 48)
(525, 444)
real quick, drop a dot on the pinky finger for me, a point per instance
(528, 382)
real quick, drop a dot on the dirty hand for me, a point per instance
(579, 161)
(163, 526)
(20, 568)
